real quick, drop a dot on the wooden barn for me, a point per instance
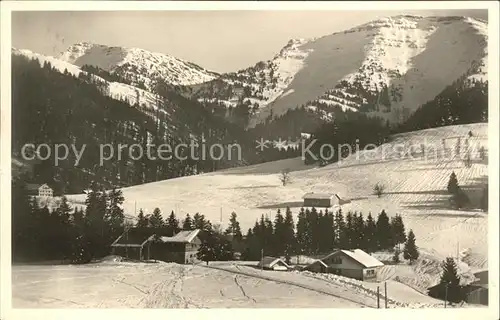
(355, 264)
(157, 244)
(321, 200)
(477, 291)
(272, 263)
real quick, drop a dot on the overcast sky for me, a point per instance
(221, 41)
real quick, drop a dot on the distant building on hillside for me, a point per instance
(158, 244)
(41, 190)
(322, 200)
(355, 264)
(272, 263)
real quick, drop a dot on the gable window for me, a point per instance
(336, 260)
(370, 272)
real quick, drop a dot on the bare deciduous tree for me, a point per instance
(378, 190)
(285, 177)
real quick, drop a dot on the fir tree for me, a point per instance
(398, 230)
(342, 241)
(207, 250)
(234, 227)
(384, 232)
(288, 234)
(453, 183)
(156, 219)
(370, 234)
(349, 224)
(142, 221)
(359, 232)
(268, 233)
(115, 216)
(62, 229)
(173, 223)
(201, 223)
(313, 223)
(303, 236)
(410, 250)
(279, 237)
(450, 278)
(187, 224)
(395, 257)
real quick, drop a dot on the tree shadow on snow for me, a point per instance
(251, 187)
(283, 205)
(460, 215)
(433, 192)
(430, 168)
(440, 204)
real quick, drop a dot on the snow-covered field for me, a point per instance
(415, 188)
(162, 285)
(221, 285)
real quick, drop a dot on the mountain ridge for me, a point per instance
(138, 65)
(387, 67)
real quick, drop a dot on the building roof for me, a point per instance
(319, 261)
(359, 256)
(269, 262)
(185, 236)
(137, 236)
(482, 277)
(323, 196)
(35, 186)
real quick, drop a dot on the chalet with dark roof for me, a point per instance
(158, 244)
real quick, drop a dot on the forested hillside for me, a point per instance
(50, 107)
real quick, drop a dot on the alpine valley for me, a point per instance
(393, 75)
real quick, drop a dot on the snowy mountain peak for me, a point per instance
(388, 67)
(139, 66)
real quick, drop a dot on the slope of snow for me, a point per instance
(266, 81)
(415, 188)
(413, 58)
(137, 65)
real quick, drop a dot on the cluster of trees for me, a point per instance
(345, 132)
(320, 232)
(65, 233)
(50, 107)
(106, 75)
(464, 101)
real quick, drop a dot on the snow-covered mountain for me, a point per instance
(139, 66)
(120, 91)
(388, 67)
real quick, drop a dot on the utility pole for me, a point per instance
(385, 292)
(378, 297)
(262, 259)
(445, 295)
(135, 207)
